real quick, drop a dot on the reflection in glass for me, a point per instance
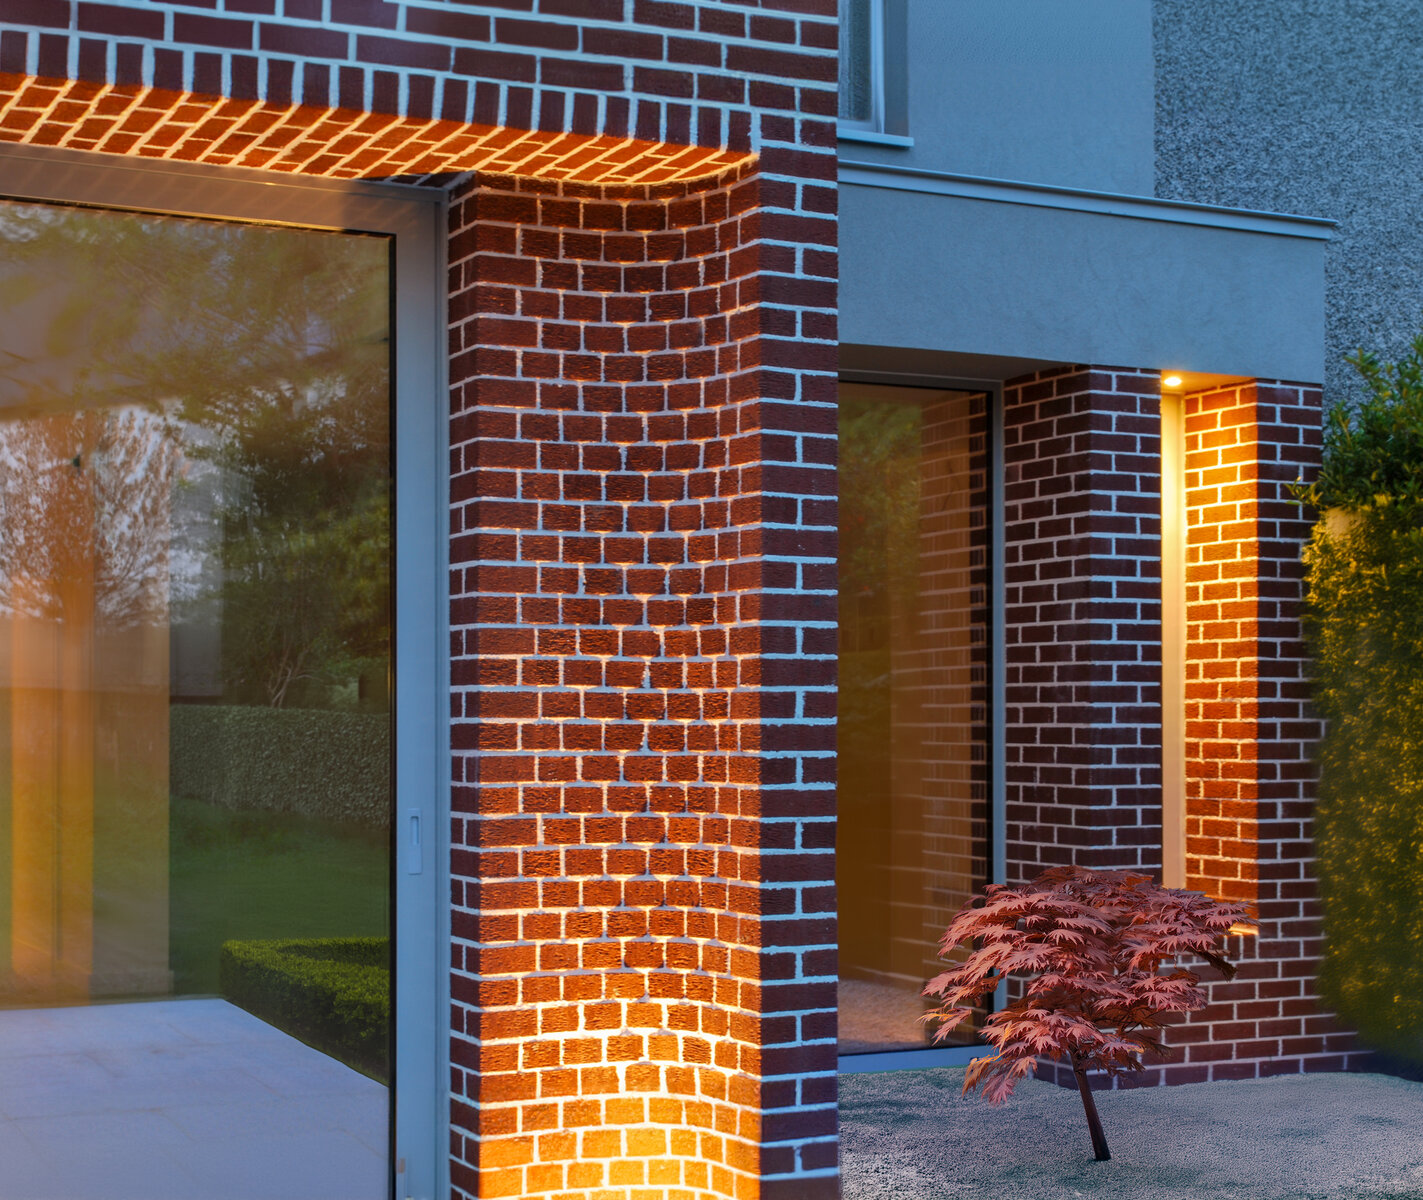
(195, 641)
(912, 743)
(857, 69)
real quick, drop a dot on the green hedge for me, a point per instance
(1364, 621)
(316, 762)
(332, 993)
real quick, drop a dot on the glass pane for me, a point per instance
(912, 840)
(856, 61)
(195, 748)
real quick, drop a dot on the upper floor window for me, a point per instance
(874, 72)
(862, 64)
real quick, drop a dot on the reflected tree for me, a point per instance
(263, 353)
(879, 500)
(84, 499)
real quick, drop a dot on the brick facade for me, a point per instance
(1082, 620)
(686, 72)
(339, 143)
(1250, 731)
(642, 304)
(1082, 530)
(642, 628)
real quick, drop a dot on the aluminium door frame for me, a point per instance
(415, 218)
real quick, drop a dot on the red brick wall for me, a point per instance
(1081, 766)
(1082, 619)
(643, 526)
(641, 931)
(686, 72)
(157, 123)
(1250, 732)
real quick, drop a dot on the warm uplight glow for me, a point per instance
(1173, 641)
(335, 143)
(1222, 597)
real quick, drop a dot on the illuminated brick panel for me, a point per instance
(642, 305)
(1082, 619)
(1250, 732)
(337, 143)
(1249, 738)
(644, 663)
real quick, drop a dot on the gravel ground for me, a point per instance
(910, 1135)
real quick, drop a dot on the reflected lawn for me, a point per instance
(262, 875)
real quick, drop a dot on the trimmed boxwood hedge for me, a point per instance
(316, 762)
(332, 993)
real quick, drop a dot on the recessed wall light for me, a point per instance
(1171, 381)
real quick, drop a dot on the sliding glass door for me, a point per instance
(913, 734)
(197, 739)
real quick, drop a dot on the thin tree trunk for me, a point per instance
(1094, 1122)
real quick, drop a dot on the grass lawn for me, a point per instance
(261, 875)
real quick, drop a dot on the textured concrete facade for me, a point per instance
(1311, 108)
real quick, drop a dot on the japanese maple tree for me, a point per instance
(1093, 943)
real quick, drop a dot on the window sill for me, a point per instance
(850, 133)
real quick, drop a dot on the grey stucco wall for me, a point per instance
(974, 276)
(1072, 82)
(1313, 107)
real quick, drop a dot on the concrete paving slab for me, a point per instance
(181, 1100)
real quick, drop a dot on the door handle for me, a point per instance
(414, 843)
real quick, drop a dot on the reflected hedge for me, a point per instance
(332, 993)
(333, 765)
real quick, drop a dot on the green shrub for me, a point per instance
(332, 993)
(1364, 622)
(334, 765)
